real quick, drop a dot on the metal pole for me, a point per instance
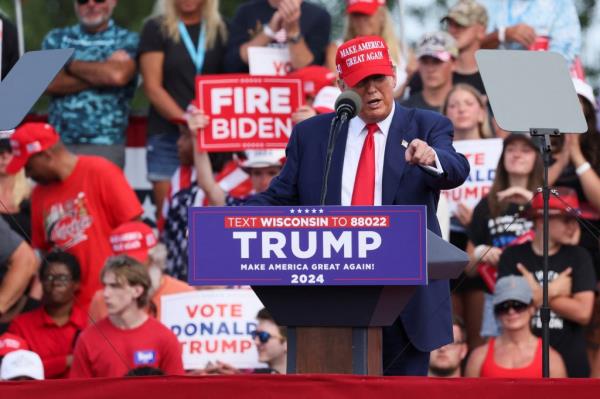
(19, 22)
(546, 151)
(545, 311)
(1, 44)
(402, 29)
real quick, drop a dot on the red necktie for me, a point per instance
(364, 183)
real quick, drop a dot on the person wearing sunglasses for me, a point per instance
(52, 329)
(271, 343)
(187, 39)
(571, 277)
(91, 96)
(516, 352)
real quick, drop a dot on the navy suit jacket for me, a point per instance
(427, 317)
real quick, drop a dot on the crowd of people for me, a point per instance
(82, 276)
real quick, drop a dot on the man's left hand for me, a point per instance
(120, 56)
(419, 152)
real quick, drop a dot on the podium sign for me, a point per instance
(316, 246)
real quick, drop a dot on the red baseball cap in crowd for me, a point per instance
(361, 57)
(11, 342)
(133, 239)
(566, 203)
(314, 78)
(367, 7)
(27, 140)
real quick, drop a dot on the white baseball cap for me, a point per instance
(263, 158)
(585, 90)
(325, 99)
(21, 363)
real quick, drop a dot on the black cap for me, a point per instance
(520, 136)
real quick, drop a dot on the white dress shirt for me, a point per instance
(357, 134)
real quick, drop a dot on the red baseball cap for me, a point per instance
(27, 140)
(566, 203)
(314, 78)
(367, 7)
(11, 342)
(361, 57)
(133, 239)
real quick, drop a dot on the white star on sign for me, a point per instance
(299, 210)
(149, 208)
(307, 211)
(320, 210)
(314, 210)
(292, 210)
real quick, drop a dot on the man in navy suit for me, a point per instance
(387, 155)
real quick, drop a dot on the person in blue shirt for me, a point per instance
(541, 24)
(91, 96)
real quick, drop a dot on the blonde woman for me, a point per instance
(14, 193)
(186, 40)
(467, 109)
(368, 18)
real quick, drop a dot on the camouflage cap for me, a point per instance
(467, 13)
(439, 45)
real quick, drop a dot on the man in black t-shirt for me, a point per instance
(436, 53)
(571, 279)
(301, 27)
(466, 22)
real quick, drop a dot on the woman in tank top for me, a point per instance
(516, 352)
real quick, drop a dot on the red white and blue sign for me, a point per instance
(308, 245)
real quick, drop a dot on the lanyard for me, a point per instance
(196, 54)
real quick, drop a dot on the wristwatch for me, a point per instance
(295, 39)
(502, 34)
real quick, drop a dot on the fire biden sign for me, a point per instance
(247, 112)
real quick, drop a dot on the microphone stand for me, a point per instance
(334, 129)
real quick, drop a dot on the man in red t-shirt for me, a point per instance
(137, 240)
(128, 338)
(52, 329)
(77, 202)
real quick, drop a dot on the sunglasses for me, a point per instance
(504, 307)
(59, 278)
(262, 336)
(83, 2)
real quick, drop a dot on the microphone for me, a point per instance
(348, 103)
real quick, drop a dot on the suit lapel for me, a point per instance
(394, 163)
(334, 184)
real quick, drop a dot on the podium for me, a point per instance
(334, 327)
(337, 329)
